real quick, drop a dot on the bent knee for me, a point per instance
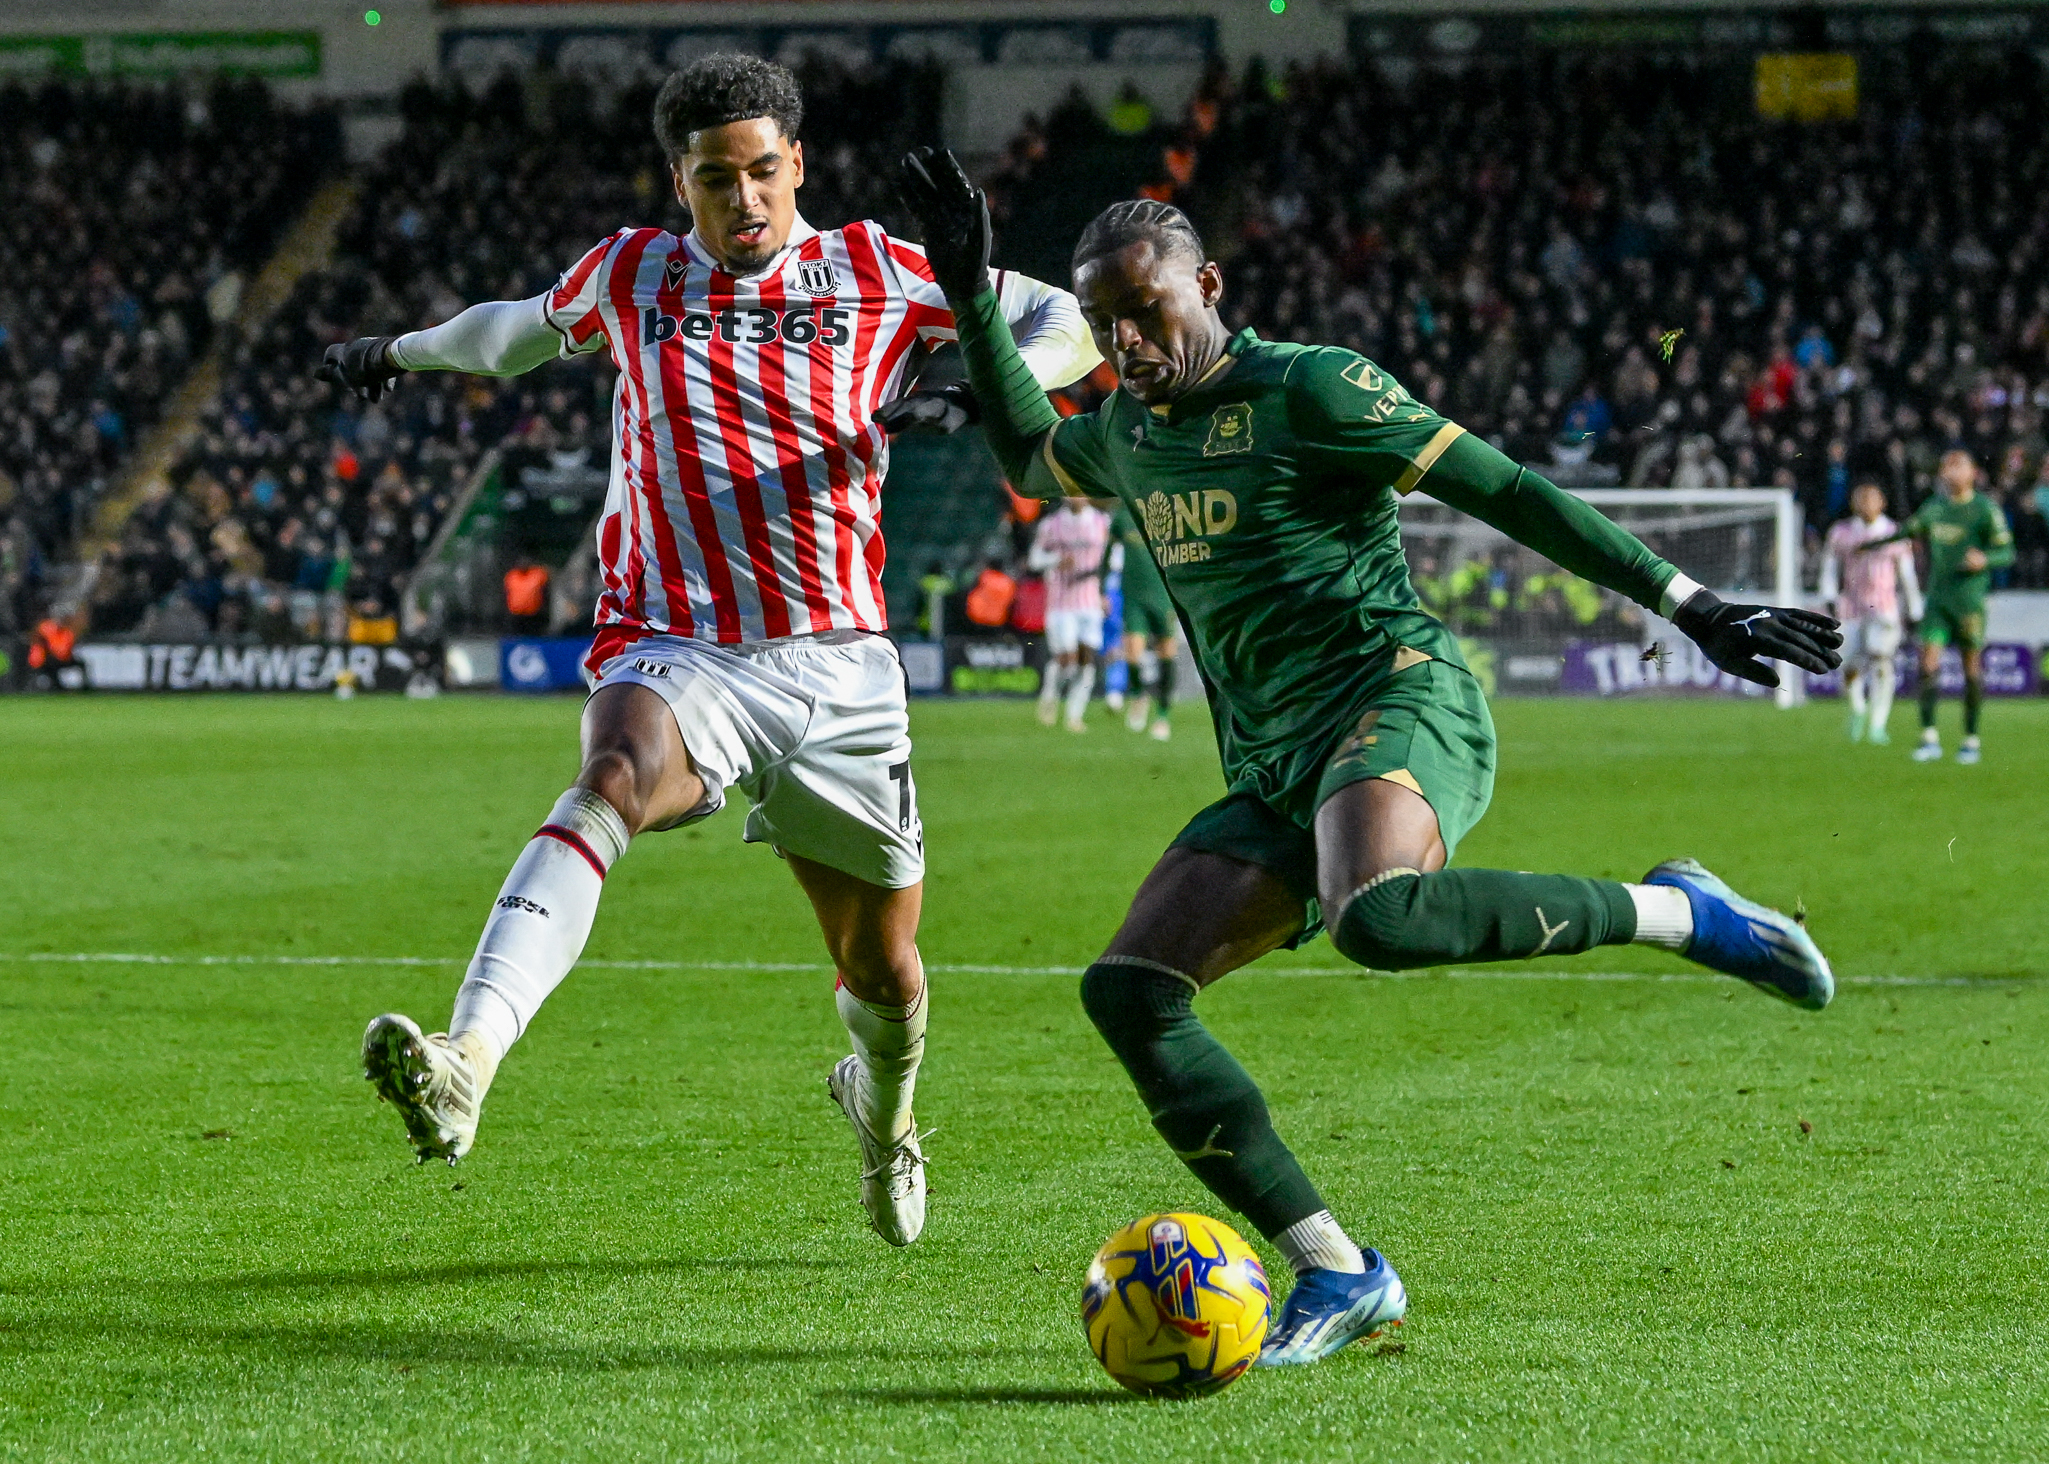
(1376, 927)
(616, 775)
(1126, 1000)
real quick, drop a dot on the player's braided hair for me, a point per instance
(714, 90)
(1128, 222)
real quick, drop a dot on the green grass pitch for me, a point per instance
(1640, 1218)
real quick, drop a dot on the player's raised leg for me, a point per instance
(1198, 916)
(1394, 907)
(872, 935)
(636, 775)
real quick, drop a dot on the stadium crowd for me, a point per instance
(134, 216)
(300, 513)
(1615, 270)
(1611, 268)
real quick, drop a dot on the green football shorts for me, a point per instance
(1150, 616)
(1946, 625)
(1427, 728)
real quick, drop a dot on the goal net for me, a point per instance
(1531, 628)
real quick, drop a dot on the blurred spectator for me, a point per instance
(526, 596)
(1611, 265)
(129, 208)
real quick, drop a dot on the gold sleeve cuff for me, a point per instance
(1423, 461)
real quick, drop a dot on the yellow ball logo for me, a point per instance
(1176, 1306)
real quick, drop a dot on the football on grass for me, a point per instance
(1176, 1306)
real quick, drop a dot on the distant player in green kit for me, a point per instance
(1152, 639)
(1356, 745)
(1967, 539)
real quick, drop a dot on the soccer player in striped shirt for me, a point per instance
(1865, 593)
(739, 629)
(1069, 549)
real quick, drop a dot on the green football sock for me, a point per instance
(1203, 1103)
(1405, 920)
(1163, 695)
(1931, 691)
(1974, 702)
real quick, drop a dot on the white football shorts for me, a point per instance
(1067, 629)
(1870, 638)
(814, 730)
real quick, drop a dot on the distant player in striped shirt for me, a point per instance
(1069, 550)
(738, 631)
(1865, 590)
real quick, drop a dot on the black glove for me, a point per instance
(1737, 638)
(364, 366)
(954, 214)
(943, 410)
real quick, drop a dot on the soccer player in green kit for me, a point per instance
(1967, 539)
(1357, 748)
(1151, 634)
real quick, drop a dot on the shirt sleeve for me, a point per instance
(1069, 461)
(574, 306)
(1999, 551)
(495, 338)
(1353, 418)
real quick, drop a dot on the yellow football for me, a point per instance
(1176, 1306)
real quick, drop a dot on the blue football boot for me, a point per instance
(1329, 1310)
(1739, 937)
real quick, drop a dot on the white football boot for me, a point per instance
(892, 1175)
(437, 1087)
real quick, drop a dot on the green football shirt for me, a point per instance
(1952, 529)
(1141, 581)
(1267, 495)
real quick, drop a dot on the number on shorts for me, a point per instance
(900, 773)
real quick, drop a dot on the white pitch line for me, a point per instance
(1460, 973)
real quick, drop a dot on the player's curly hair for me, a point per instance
(1128, 222)
(725, 87)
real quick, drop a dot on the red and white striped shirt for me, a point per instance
(1870, 583)
(1070, 544)
(745, 498)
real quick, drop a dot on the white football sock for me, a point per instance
(1882, 680)
(1853, 687)
(540, 921)
(1148, 670)
(1664, 916)
(890, 1042)
(1079, 692)
(1049, 689)
(1319, 1244)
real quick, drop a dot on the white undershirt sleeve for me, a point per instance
(496, 338)
(1051, 335)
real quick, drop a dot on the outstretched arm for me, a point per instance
(497, 338)
(1475, 479)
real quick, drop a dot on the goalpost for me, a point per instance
(1549, 631)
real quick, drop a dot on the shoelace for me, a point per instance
(904, 1153)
